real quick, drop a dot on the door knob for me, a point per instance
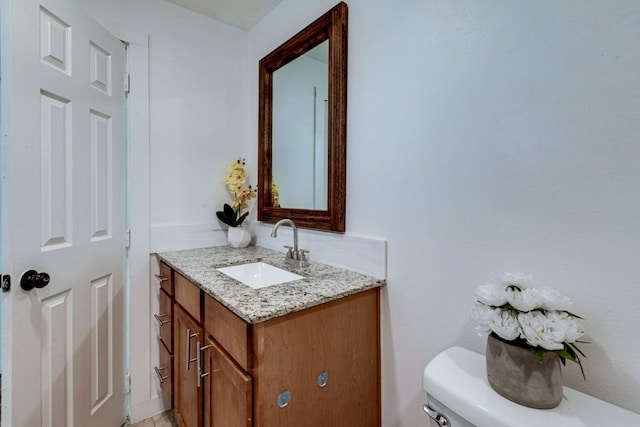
(32, 279)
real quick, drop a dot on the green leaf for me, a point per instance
(229, 212)
(241, 219)
(573, 315)
(567, 353)
(227, 215)
(575, 347)
(538, 353)
(221, 217)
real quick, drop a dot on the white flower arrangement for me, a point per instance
(515, 309)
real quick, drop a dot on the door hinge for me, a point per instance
(127, 83)
(127, 383)
(6, 283)
(127, 238)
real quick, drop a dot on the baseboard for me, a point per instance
(147, 409)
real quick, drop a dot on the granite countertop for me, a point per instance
(322, 283)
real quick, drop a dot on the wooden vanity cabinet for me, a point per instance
(315, 367)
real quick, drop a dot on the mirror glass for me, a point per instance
(299, 130)
(302, 126)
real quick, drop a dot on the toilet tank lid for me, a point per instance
(457, 378)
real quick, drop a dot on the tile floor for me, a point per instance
(164, 419)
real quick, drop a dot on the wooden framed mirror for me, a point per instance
(303, 126)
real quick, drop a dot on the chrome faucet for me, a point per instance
(295, 256)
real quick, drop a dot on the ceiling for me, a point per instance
(239, 13)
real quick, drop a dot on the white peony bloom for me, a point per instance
(492, 294)
(506, 325)
(566, 324)
(540, 331)
(483, 315)
(517, 279)
(483, 330)
(526, 299)
(553, 300)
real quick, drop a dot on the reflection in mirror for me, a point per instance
(302, 126)
(299, 130)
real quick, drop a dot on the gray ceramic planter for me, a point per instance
(515, 373)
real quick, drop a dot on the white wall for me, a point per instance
(508, 138)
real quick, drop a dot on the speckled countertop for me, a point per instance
(322, 283)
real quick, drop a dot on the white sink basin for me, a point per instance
(259, 274)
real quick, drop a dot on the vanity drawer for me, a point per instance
(165, 278)
(233, 333)
(188, 296)
(164, 372)
(164, 317)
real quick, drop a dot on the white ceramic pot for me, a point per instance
(238, 237)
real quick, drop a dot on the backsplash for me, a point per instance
(360, 254)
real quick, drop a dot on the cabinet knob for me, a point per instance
(323, 378)
(284, 398)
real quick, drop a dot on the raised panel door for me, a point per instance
(63, 213)
(227, 396)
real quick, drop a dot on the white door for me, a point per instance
(63, 209)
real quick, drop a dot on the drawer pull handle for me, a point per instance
(159, 374)
(161, 278)
(189, 360)
(160, 319)
(199, 364)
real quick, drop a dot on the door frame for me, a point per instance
(140, 399)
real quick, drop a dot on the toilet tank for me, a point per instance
(456, 386)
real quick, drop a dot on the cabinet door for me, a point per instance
(228, 390)
(187, 394)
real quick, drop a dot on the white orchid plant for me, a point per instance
(515, 309)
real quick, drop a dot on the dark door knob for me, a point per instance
(32, 279)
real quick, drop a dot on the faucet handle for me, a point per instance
(303, 254)
(289, 251)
